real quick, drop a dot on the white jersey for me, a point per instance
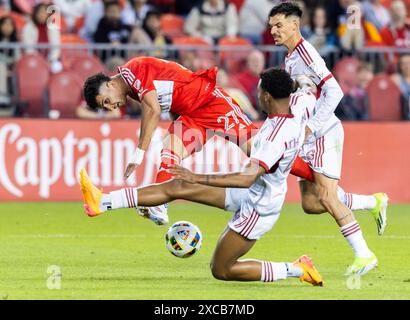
(305, 60)
(275, 148)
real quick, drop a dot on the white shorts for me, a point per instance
(246, 221)
(324, 155)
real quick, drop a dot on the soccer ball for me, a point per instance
(183, 239)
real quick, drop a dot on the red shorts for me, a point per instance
(220, 115)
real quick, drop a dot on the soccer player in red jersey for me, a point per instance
(163, 86)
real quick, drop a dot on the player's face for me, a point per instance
(111, 96)
(283, 28)
(263, 98)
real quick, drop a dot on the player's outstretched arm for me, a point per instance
(151, 112)
(233, 180)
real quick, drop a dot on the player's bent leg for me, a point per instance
(376, 204)
(183, 139)
(225, 264)
(310, 200)
(326, 190)
(365, 259)
(172, 153)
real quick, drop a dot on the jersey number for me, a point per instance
(226, 119)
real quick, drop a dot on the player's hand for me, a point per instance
(129, 170)
(183, 174)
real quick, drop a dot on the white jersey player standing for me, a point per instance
(324, 137)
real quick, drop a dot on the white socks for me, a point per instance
(123, 198)
(272, 271)
(356, 201)
(354, 237)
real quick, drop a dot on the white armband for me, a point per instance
(137, 156)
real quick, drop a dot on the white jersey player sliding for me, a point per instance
(324, 137)
(255, 195)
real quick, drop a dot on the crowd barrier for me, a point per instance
(40, 159)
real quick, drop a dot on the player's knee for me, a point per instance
(327, 198)
(311, 205)
(175, 188)
(219, 272)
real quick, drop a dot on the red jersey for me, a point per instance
(178, 89)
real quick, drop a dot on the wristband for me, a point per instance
(137, 156)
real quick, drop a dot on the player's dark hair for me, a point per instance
(287, 9)
(92, 89)
(277, 83)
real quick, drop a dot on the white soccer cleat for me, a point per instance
(158, 214)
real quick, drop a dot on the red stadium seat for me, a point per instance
(172, 25)
(233, 60)
(345, 71)
(69, 55)
(86, 66)
(32, 74)
(58, 100)
(384, 99)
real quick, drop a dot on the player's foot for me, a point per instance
(91, 195)
(361, 266)
(379, 212)
(310, 275)
(158, 214)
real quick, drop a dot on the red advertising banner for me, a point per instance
(40, 159)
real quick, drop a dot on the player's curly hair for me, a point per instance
(92, 89)
(277, 83)
(287, 9)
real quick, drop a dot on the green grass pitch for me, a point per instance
(122, 256)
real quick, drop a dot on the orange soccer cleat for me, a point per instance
(91, 195)
(311, 274)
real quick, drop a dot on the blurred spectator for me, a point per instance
(376, 13)
(354, 105)
(92, 18)
(164, 6)
(72, 10)
(212, 20)
(111, 29)
(351, 37)
(224, 81)
(318, 33)
(138, 36)
(36, 31)
(249, 78)
(152, 27)
(83, 112)
(402, 79)
(397, 34)
(8, 34)
(135, 11)
(253, 17)
(184, 7)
